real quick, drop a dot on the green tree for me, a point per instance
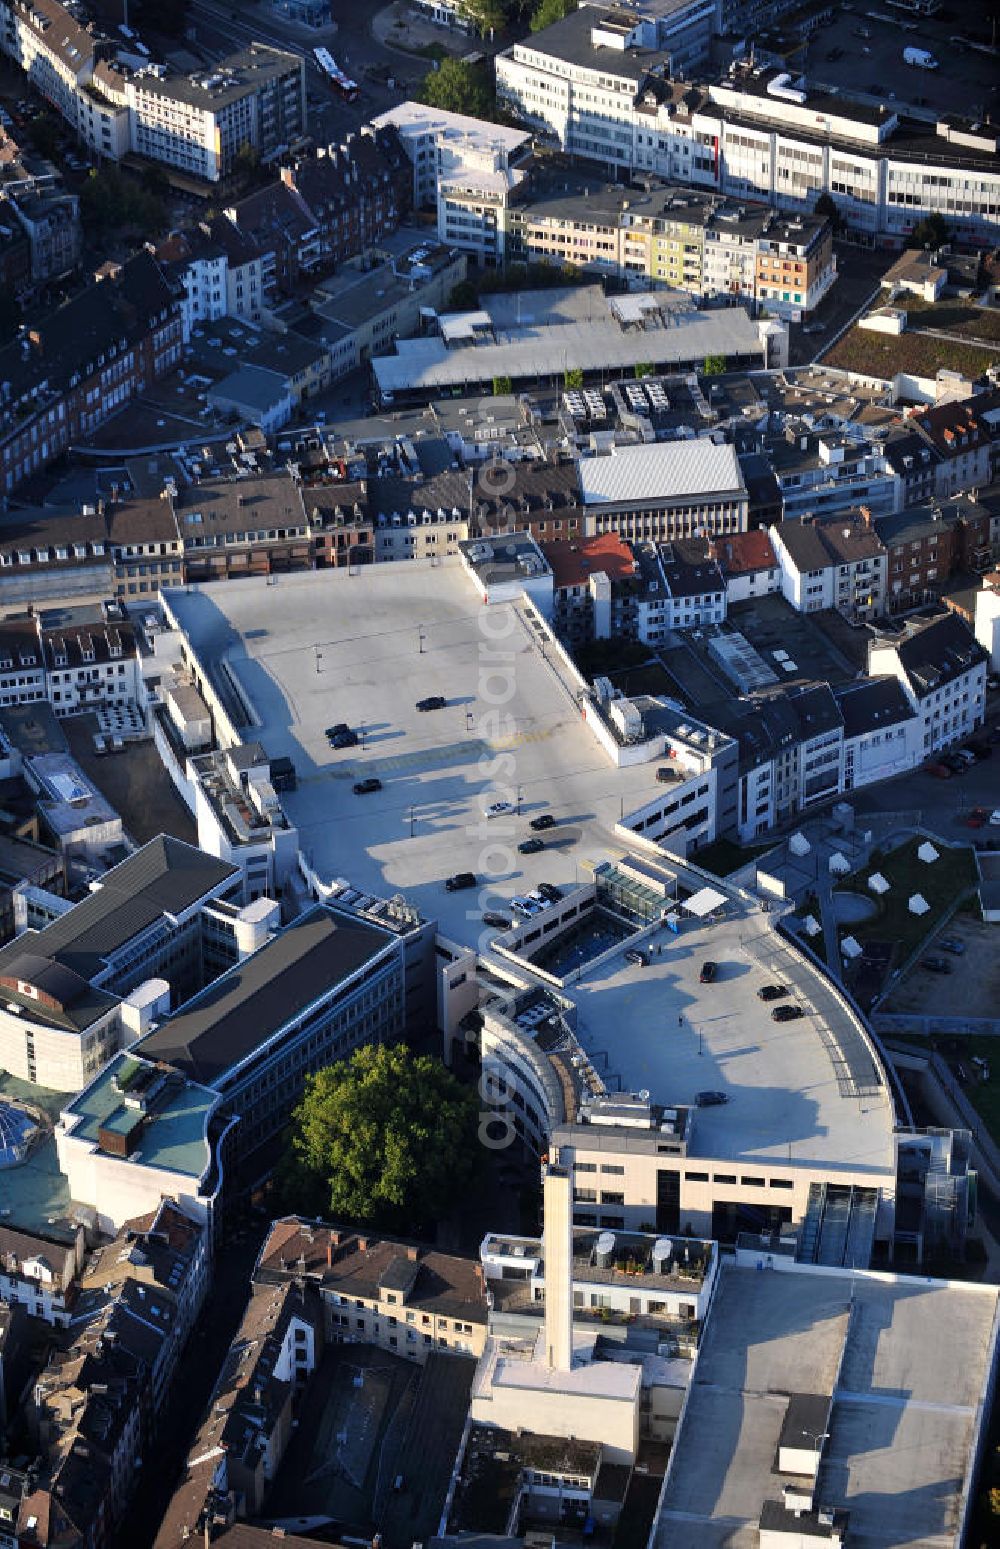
(573, 379)
(550, 11)
(385, 1139)
(458, 87)
(932, 231)
(714, 365)
(462, 297)
(643, 368)
(501, 386)
(113, 203)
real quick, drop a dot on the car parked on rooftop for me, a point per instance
(936, 965)
(786, 1013)
(367, 787)
(710, 1099)
(709, 972)
(432, 702)
(460, 881)
(771, 992)
(544, 820)
(531, 846)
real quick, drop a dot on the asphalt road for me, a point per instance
(221, 26)
(943, 804)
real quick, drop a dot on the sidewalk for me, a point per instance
(406, 32)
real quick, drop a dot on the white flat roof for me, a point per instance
(903, 1421)
(664, 1031)
(366, 628)
(414, 118)
(704, 901)
(668, 468)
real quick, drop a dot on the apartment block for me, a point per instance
(819, 472)
(673, 586)
(832, 562)
(238, 1448)
(221, 273)
(882, 731)
(401, 1296)
(41, 1273)
(78, 365)
(748, 563)
(941, 668)
(966, 440)
(357, 192)
(675, 237)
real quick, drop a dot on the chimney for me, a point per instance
(557, 1245)
(331, 1247)
(866, 515)
(362, 1244)
(412, 1253)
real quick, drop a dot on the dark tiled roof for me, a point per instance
(447, 1284)
(934, 651)
(68, 341)
(247, 1005)
(870, 704)
(165, 876)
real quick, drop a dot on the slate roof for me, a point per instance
(215, 1032)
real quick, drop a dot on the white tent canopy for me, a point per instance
(799, 844)
(850, 947)
(878, 883)
(811, 925)
(927, 853)
(839, 864)
(705, 901)
(918, 904)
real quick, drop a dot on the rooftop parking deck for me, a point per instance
(801, 1090)
(314, 650)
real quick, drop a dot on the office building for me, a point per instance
(612, 95)
(674, 489)
(65, 986)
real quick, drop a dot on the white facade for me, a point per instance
(753, 583)
(988, 621)
(879, 753)
(949, 711)
(748, 144)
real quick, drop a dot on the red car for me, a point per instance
(939, 771)
(977, 817)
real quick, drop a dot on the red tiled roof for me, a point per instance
(574, 562)
(743, 552)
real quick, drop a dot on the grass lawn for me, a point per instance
(883, 355)
(959, 1049)
(940, 883)
(956, 317)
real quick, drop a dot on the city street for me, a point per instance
(220, 26)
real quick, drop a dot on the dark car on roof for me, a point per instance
(461, 879)
(530, 846)
(952, 944)
(709, 971)
(786, 1013)
(545, 820)
(498, 921)
(710, 1099)
(771, 992)
(936, 965)
(432, 702)
(366, 787)
(550, 891)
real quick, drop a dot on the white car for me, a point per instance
(499, 809)
(995, 818)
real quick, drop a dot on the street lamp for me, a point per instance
(319, 657)
(421, 637)
(520, 798)
(817, 1439)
